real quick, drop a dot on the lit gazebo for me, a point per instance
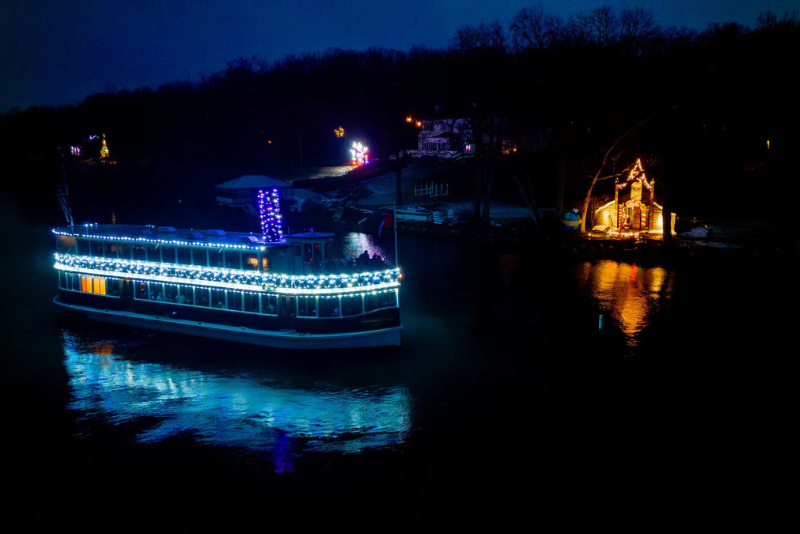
(634, 209)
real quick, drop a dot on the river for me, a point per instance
(527, 391)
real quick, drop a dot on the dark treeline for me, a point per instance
(719, 110)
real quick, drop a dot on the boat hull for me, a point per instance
(276, 339)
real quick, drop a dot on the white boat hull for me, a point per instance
(280, 339)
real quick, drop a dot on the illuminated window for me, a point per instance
(250, 261)
(93, 284)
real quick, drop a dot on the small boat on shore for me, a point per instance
(410, 213)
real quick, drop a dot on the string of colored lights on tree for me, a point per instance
(229, 278)
(269, 210)
(637, 173)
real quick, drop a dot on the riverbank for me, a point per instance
(742, 243)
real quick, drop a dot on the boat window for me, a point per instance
(269, 304)
(153, 253)
(329, 307)
(251, 302)
(218, 298)
(156, 291)
(328, 250)
(235, 300)
(384, 299)
(352, 305)
(306, 306)
(113, 287)
(233, 259)
(317, 253)
(75, 282)
(170, 293)
(110, 249)
(140, 290)
(65, 244)
(124, 251)
(199, 257)
(93, 284)
(184, 255)
(201, 296)
(309, 254)
(297, 250)
(139, 252)
(185, 295)
(168, 254)
(99, 285)
(215, 258)
(97, 249)
(250, 261)
(65, 280)
(83, 247)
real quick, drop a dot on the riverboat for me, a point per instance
(284, 292)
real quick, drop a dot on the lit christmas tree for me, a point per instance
(270, 211)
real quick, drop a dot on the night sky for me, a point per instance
(56, 53)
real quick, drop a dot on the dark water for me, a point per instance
(506, 407)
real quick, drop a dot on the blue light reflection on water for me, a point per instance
(237, 410)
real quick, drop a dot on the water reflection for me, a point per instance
(240, 410)
(629, 293)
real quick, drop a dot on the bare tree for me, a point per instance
(769, 19)
(532, 29)
(637, 28)
(481, 37)
(528, 30)
(604, 25)
(580, 29)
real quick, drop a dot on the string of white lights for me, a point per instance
(229, 278)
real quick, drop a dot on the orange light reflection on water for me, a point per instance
(628, 293)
